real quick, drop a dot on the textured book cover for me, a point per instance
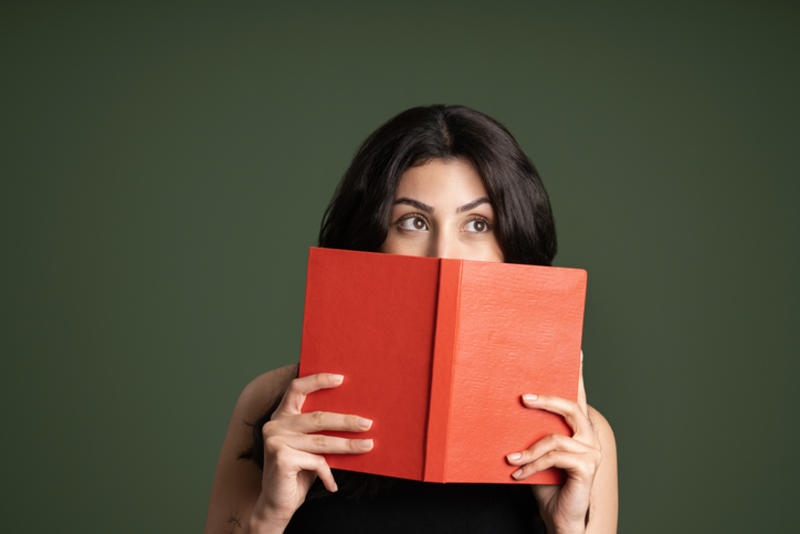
(437, 353)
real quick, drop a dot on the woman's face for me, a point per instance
(441, 210)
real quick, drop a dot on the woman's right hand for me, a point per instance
(293, 457)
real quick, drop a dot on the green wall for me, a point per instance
(164, 171)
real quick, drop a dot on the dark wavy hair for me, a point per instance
(358, 216)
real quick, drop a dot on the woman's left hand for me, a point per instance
(564, 508)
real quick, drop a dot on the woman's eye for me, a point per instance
(478, 226)
(413, 224)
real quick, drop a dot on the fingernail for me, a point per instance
(529, 397)
(335, 487)
(513, 457)
(364, 443)
(517, 473)
(364, 423)
(337, 379)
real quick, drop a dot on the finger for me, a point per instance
(283, 460)
(317, 464)
(299, 388)
(578, 466)
(582, 390)
(322, 444)
(318, 420)
(569, 410)
(545, 445)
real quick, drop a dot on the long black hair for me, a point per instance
(358, 216)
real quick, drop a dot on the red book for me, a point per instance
(437, 352)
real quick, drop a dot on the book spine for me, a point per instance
(312, 258)
(441, 388)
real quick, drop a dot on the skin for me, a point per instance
(441, 209)
(429, 216)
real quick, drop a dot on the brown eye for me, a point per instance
(478, 226)
(414, 223)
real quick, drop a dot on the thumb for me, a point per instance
(582, 390)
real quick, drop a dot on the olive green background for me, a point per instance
(164, 170)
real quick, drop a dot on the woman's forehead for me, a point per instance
(453, 181)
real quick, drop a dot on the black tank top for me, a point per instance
(392, 505)
(387, 505)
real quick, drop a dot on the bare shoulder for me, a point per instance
(608, 442)
(237, 482)
(601, 424)
(262, 391)
(605, 497)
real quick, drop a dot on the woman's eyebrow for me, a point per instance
(429, 209)
(475, 203)
(416, 203)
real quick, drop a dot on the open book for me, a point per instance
(437, 352)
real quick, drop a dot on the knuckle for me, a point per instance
(294, 387)
(273, 445)
(318, 418)
(571, 411)
(563, 404)
(319, 441)
(587, 470)
(268, 429)
(553, 439)
(583, 438)
(552, 456)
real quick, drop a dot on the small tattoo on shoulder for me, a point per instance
(234, 523)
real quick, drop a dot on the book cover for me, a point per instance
(437, 353)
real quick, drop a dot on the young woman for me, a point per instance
(438, 181)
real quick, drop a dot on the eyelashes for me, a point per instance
(403, 223)
(484, 224)
(416, 222)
